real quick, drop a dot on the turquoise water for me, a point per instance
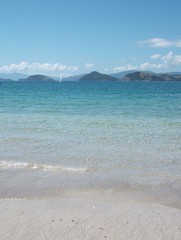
(114, 133)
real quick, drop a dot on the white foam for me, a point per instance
(11, 164)
(45, 167)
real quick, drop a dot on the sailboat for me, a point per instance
(60, 80)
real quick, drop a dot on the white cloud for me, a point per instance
(149, 66)
(178, 44)
(171, 60)
(33, 68)
(168, 61)
(89, 65)
(143, 67)
(160, 42)
(125, 68)
(155, 56)
(106, 69)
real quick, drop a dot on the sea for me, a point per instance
(64, 138)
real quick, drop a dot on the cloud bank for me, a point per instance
(168, 61)
(89, 65)
(156, 56)
(160, 43)
(34, 68)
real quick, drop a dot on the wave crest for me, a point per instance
(45, 167)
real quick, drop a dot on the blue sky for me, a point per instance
(68, 37)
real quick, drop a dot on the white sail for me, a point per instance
(60, 79)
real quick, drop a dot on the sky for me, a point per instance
(71, 37)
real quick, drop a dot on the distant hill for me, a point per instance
(37, 78)
(72, 78)
(96, 76)
(145, 76)
(5, 80)
(13, 76)
(173, 73)
(121, 75)
(169, 77)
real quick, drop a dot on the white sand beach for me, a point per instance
(86, 219)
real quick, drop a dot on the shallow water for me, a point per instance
(111, 135)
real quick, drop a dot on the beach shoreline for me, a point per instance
(90, 160)
(83, 217)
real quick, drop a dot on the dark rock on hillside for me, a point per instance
(169, 77)
(172, 73)
(96, 76)
(143, 76)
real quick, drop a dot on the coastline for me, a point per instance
(82, 218)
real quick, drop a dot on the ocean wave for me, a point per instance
(45, 167)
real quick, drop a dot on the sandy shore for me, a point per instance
(84, 219)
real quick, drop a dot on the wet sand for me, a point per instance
(82, 218)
